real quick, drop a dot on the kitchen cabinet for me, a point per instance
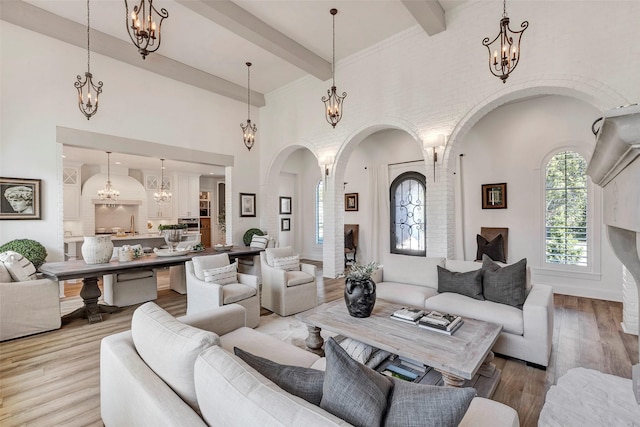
(205, 203)
(152, 185)
(71, 188)
(187, 195)
(205, 231)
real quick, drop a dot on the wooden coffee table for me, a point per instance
(463, 359)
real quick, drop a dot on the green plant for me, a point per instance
(222, 221)
(248, 235)
(359, 272)
(163, 227)
(30, 249)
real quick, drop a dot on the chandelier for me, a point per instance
(333, 101)
(509, 49)
(88, 108)
(163, 197)
(249, 130)
(108, 193)
(143, 31)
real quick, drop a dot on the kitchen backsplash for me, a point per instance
(109, 217)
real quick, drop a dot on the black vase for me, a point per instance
(360, 297)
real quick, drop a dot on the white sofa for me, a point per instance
(526, 334)
(221, 388)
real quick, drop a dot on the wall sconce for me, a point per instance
(434, 142)
(326, 164)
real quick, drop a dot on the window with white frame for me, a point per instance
(319, 213)
(408, 214)
(566, 210)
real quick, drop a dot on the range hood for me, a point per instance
(615, 166)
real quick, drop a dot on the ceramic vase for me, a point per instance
(97, 249)
(360, 297)
(173, 237)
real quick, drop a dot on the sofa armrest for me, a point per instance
(309, 269)
(220, 320)
(201, 295)
(537, 313)
(270, 275)
(248, 279)
(376, 276)
(488, 413)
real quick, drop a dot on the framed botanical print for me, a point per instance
(494, 196)
(285, 205)
(351, 202)
(247, 204)
(19, 198)
(285, 224)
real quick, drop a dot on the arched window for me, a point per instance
(566, 218)
(319, 213)
(408, 217)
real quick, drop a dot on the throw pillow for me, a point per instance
(207, 262)
(287, 263)
(271, 253)
(302, 382)
(467, 283)
(418, 405)
(19, 267)
(493, 249)
(352, 391)
(259, 241)
(5, 277)
(348, 240)
(222, 275)
(506, 285)
(359, 351)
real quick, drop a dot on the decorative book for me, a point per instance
(410, 315)
(441, 322)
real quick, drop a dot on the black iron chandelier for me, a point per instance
(333, 101)
(249, 130)
(143, 29)
(86, 105)
(509, 49)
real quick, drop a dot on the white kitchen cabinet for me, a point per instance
(187, 195)
(152, 185)
(71, 192)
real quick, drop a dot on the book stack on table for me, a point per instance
(440, 322)
(409, 315)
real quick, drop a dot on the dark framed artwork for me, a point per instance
(351, 202)
(494, 196)
(19, 198)
(247, 204)
(285, 224)
(285, 205)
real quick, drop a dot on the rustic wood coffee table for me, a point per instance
(463, 359)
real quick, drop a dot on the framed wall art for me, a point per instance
(247, 204)
(285, 224)
(351, 202)
(494, 196)
(285, 205)
(19, 198)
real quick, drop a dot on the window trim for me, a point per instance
(319, 192)
(392, 213)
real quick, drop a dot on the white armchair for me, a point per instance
(287, 292)
(202, 295)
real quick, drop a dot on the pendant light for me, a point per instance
(249, 130)
(333, 101)
(144, 32)
(163, 197)
(108, 193)
(87, 107)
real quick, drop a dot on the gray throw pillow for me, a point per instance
(302, 382)
(418, 405)
(494, 249)
(467, 283)
(506, 285)
(351, 391)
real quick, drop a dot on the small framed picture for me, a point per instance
(285, 205)
(19, 198)
(247, 204)
(285, 224)
(494, 196)
(351, 202)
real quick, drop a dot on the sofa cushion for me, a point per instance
(170, 348)
(418, 405)
(287, 263)
(232, 394)
(414, 270)
(509, 317)
(493, 249)
(506, 285)
(468, 283)
(222, 275)
(461, 266)
(302, 382)
(352, 391)
(404, 294)
(20, 268)
(295, 278)
(237, 292)
(206, 262)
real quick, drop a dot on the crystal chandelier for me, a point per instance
(163, 197)
(88, 108)
(509, 49)
(108, 193)
(143, 31)
(333, 101)
(249, 130)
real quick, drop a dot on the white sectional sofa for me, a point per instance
(196, 379)
(526, 334)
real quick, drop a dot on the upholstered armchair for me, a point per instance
(212, 281)
(288, 286)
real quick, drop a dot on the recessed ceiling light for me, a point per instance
(118, 163)
(211, 173)
(64, 157)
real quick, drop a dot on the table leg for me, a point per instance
(92, 311)
(451, 380)
(314, 341)
(487, 369)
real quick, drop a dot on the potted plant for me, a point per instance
(30, 249)
(360, 289)
(172, 234)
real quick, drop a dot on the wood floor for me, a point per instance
(52, 379)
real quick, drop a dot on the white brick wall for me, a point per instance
(630, 309)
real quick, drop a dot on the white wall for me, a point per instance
(37, 75)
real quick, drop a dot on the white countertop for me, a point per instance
(75, 239)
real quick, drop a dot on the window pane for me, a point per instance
(408, 214)
(319, 213)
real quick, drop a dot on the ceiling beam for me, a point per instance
(41, 21)
(429, 15)
(237, 20)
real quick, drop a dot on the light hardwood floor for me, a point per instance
(52, 379)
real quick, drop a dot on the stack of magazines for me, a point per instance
(409, 315)
(440, 322)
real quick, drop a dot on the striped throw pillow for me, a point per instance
(259, 241)
(223, 275)
(287, 263)
(19, 267)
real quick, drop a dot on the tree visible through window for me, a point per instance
(319, 213)
(566, 209)
(408, 220)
